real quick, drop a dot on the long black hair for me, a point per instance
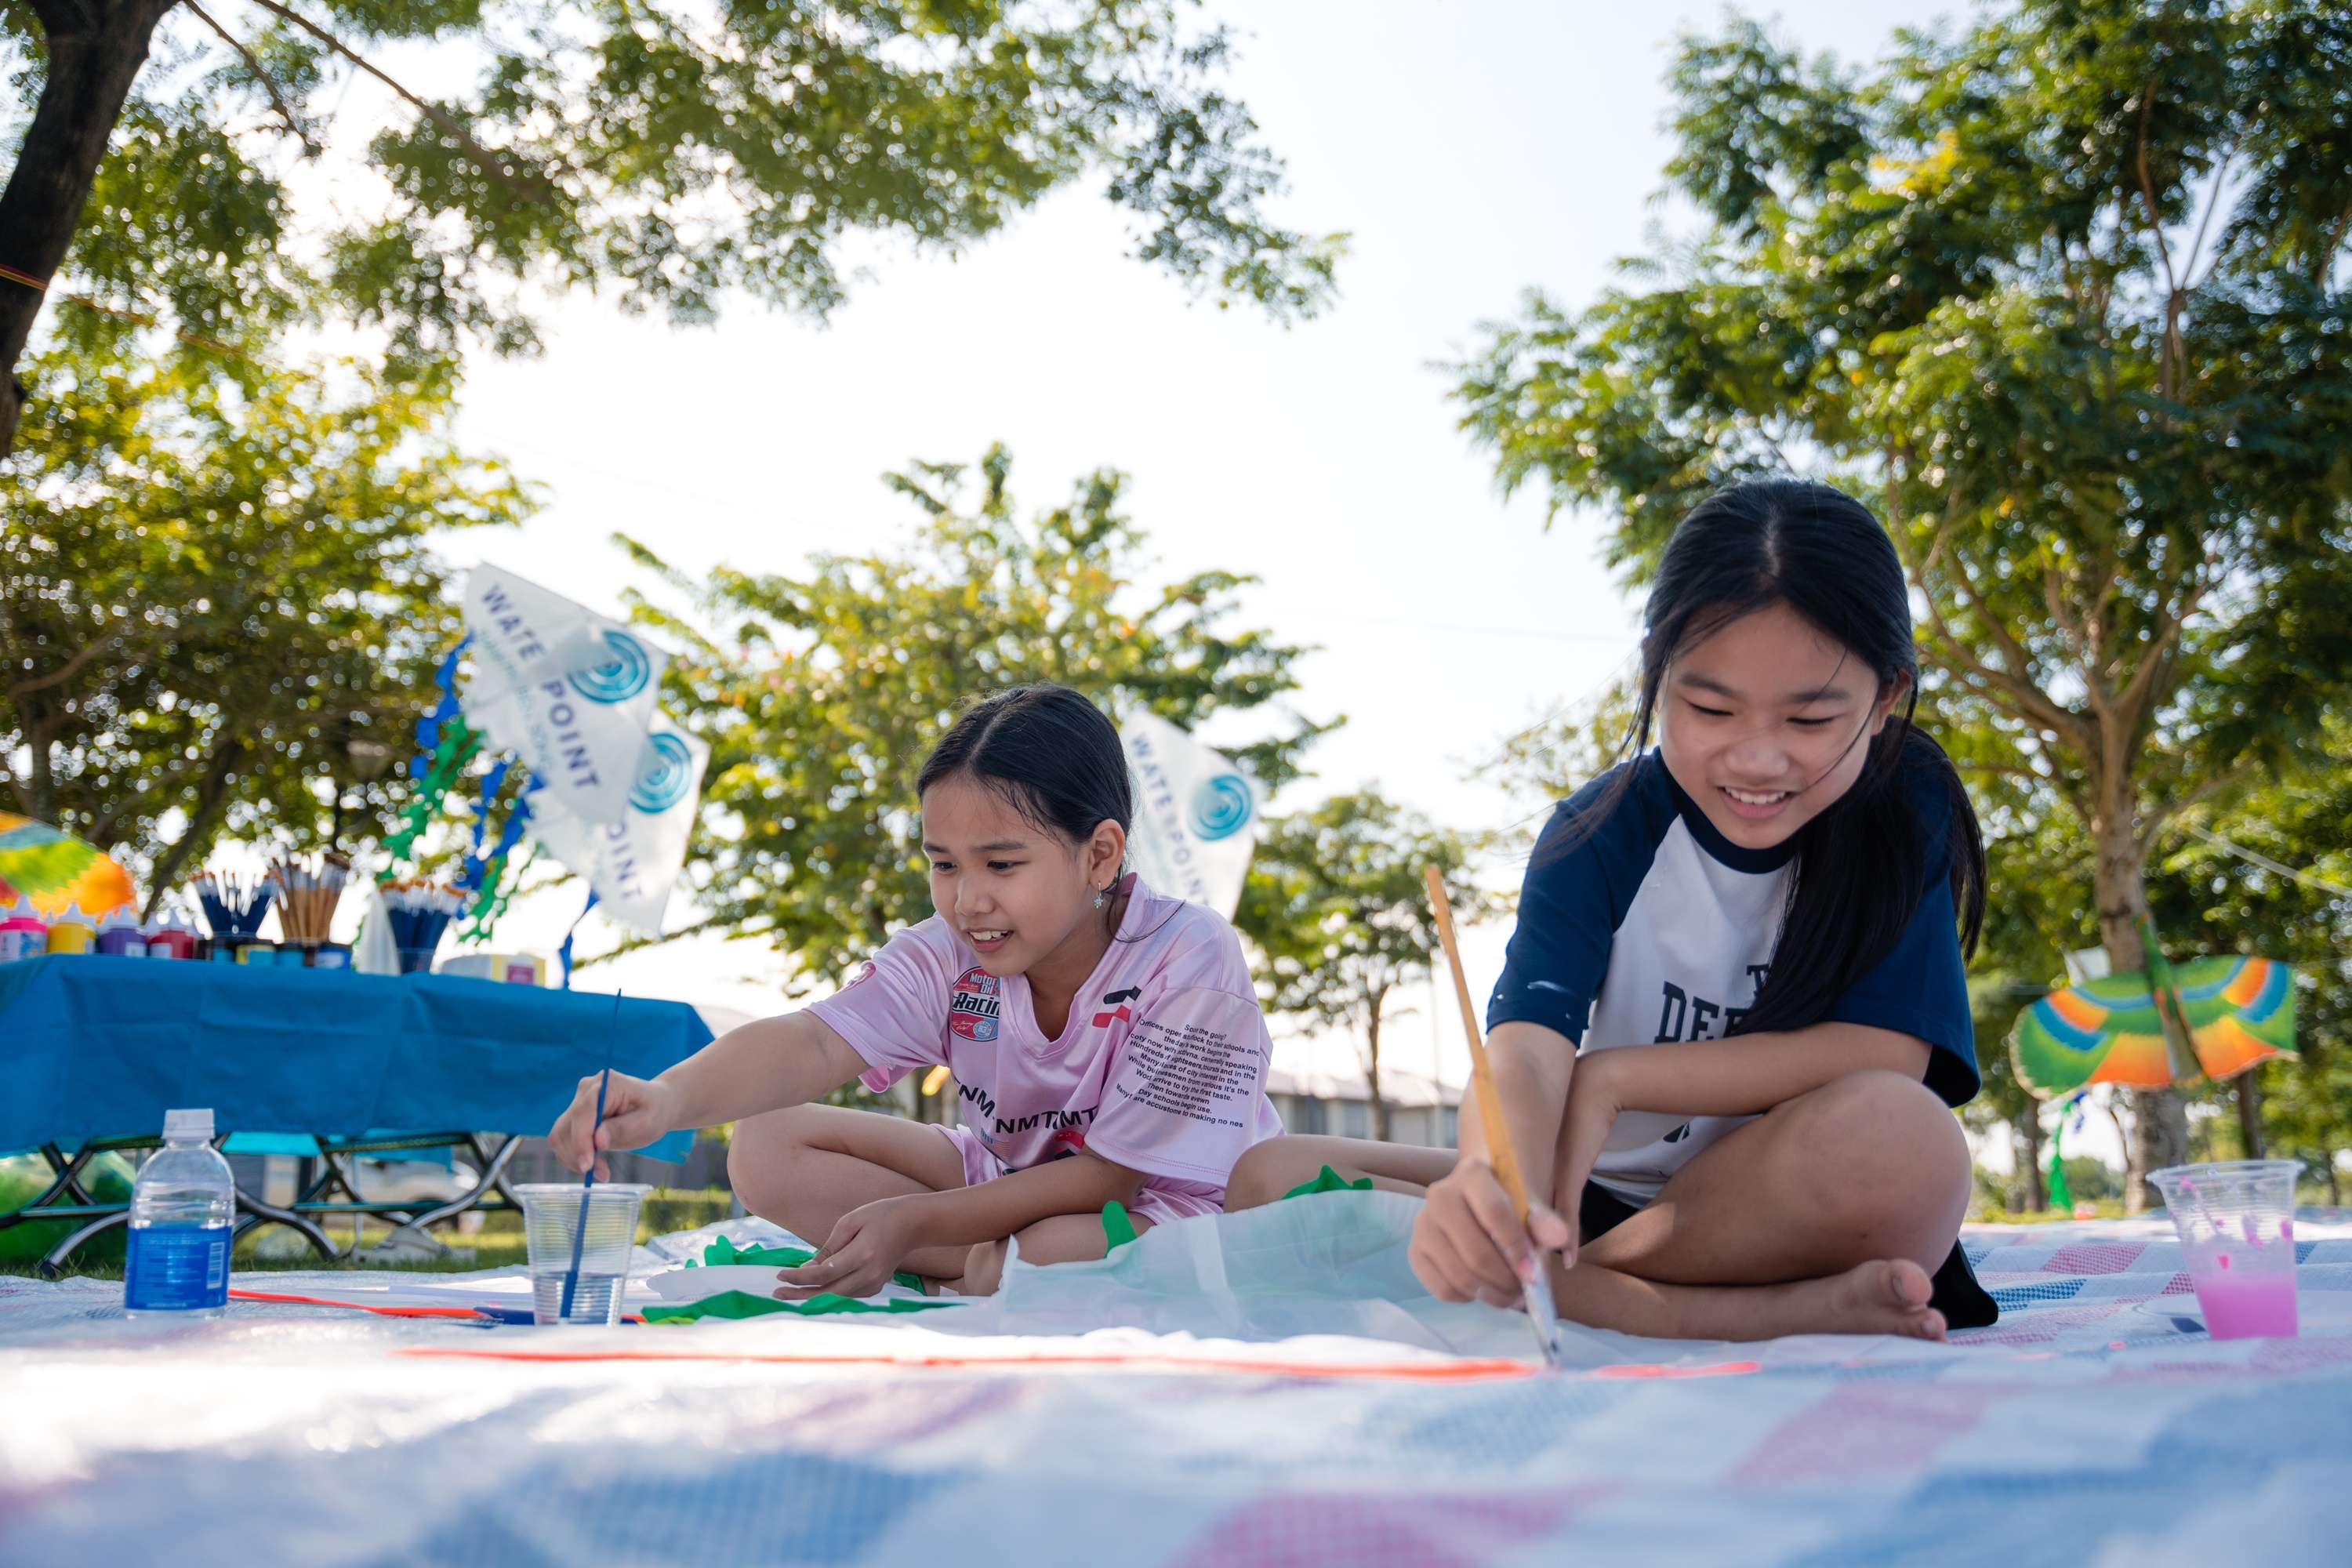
(1859, 872)
(1048, 753)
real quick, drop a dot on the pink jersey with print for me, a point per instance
(1162, 1067)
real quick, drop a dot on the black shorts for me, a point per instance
(1955, 1291)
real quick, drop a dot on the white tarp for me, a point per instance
(633, 863)
(566, 689)
(1195, 815)
(2095, 1425)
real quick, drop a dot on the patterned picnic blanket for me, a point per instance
(2095, 1424)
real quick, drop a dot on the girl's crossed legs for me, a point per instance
(805, 1167)
(1826, 1215)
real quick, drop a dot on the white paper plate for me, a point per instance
(694, 1284)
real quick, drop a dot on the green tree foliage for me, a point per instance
(210, 588)
(2209, 898)
(669, 155)
(821, 695)
(1337, 905)
(2060, 292)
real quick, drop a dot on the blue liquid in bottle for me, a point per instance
(183, 1218)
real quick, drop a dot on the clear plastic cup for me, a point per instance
(550, 1215)
(2236, 1222)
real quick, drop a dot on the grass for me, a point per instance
(1985, 1211)
(497, 1245)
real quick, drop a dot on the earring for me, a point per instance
(1102, 896)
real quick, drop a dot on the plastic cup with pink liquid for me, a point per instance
(2236, 1222)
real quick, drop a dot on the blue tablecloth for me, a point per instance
(93, 1047)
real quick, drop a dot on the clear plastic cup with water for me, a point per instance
(2236, 1223)
(550, 1217)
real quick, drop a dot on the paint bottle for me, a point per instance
(73, 932)
(119, 935)
(23, 933)
(171, 938)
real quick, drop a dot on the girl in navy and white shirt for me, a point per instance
(1734, 1017)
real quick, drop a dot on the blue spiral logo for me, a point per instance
(620, 678)
(1222, 807)
(666, 778)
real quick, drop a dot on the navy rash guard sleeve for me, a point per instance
(1921, 987)
(1580, 880)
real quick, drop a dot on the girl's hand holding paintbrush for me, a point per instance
(762, 1066)
(637, 1113)
(1468, 1243)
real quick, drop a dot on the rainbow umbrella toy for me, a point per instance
(57, 871)
(2213, 1015)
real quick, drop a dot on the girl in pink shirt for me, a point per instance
(1106, 1041)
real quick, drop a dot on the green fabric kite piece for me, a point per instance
(743, 1304)
(1328, 1180)
(1118, 1229)
(721, 1253)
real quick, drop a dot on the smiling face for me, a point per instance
(1020, 894)
(1766, 722)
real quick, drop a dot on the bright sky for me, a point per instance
(1474, 148)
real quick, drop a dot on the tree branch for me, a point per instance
(2147, 186)
(2153, 823)
(311, 149)
(494, 165)
(2032, 702)
(2053, 599)
(16, 787)
(2174, 351)
(2334, 244)
(65, 671)
(2026, 699)
(140, 318)
(2220, 171)
(2142, 689)
(61, 15)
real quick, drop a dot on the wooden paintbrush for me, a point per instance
(1500, 1152)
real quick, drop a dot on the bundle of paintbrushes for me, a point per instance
(419, 911)
(233, 905)
(307, 896)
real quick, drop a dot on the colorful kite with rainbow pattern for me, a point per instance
(57, 871)
(2217, 1017)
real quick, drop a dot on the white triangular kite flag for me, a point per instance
(566, 689)
(633, 863)
(1195, 815)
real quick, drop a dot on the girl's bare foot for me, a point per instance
(1886, 1296)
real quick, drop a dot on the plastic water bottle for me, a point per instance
(182, 1216)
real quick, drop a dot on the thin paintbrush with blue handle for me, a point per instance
(588, 1177)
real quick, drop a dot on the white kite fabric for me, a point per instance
(1264, 1390)
(614, 782)
(1196, 814)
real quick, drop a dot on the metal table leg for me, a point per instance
(259, 1213)
(493, 1177)
(53, 1262)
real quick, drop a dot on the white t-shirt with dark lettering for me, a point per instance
(1160, 1068)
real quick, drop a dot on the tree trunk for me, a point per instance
(40, 778)
(2159, 1129)
(2250, 1113)
(2037, 1190)
(1373, 1072)
(95, 49)
(211, 797)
